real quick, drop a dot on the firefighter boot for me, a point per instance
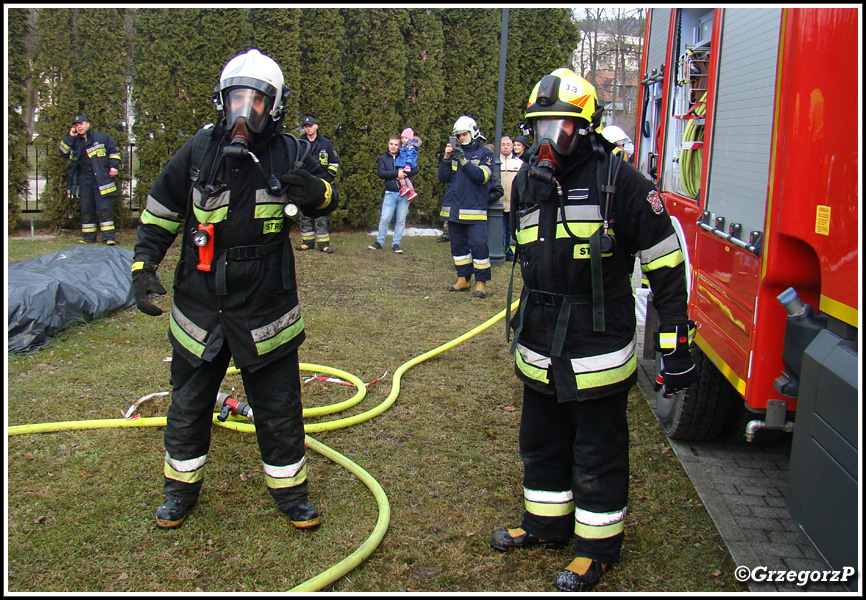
(506, 539)
(171, 514)
(305, 245)
(479, 290)
(462, 285)
(326, 247)
(304, 516)
(580, 575)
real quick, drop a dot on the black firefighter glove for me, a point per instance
(678, 371)
(145, 284)
(304, 189)
(457, 154)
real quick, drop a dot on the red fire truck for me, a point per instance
(749, 122)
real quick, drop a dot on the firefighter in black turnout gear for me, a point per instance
(94, 161)
(228, 192)
(580, 217)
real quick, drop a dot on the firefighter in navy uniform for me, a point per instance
(468, 169)
(94, 161)
(581, 217)
(314, 230)
(234, 287)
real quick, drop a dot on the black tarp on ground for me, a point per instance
(49, 293)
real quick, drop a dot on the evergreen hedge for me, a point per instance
(365, 73)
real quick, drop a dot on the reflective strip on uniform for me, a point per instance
(527, 236)
(114, 156)
(462, 260)
(97, 149)
(466, 214)
(160, 211)
(106, 225)
(275, 334)
(597, 526)
(578, 194)
(532, 364)
(605, 369)
(268, 206)
(64, 148)
(147, 218)
(529, 219)
(333, 168)
(668, 341)
(187, 471)
(548, 504)
(580, 212)
(88, 227)
(286, 476)
(667, 253)
(108, 188)
(481, 263)
(445, 212)
(191, 336)
(210, 209)
(329, 194)
(580, 229)
(486, 173)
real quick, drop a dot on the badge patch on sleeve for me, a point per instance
(655, 201)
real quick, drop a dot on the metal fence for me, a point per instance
(36, 178)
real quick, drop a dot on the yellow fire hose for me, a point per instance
(372, 542)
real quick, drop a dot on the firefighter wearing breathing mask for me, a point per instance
(228, 192)
(581, 216)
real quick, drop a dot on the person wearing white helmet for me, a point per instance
(467, 167)
(235, 295)
(615, 135)
(582, 216)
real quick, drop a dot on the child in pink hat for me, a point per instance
(407, 159)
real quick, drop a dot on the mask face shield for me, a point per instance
(561, 133)
(248, 106)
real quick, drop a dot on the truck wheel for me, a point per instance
(699, 412)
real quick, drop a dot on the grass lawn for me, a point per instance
(80, 502)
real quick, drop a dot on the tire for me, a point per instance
(698, 413)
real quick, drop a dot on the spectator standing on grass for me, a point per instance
(467, 168)
(407, 159)
(584, 216)
(509, 165)
(94, 161)
(235, 294)
(393, 202)
(314, 230)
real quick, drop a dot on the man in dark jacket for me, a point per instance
(314, 230)
(388, 170)
(467, 168)
(235, 295)
(581, 218)
(94, 161)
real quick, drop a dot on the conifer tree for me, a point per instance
(98, 83)
(178, 59)
(424, 92)
(374, 72)
(18, 74)
(276, 33)
(546, 39)
(54, 58)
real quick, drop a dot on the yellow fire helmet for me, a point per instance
(563, 93)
